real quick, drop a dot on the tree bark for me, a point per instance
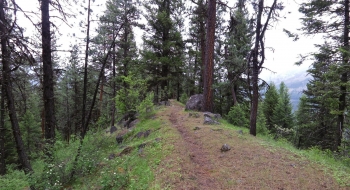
(85, 73)
(255, 73)
(113, 83)
(202, 33)
(209, 58)
(48, 84)
(344, 78)
(23, 157)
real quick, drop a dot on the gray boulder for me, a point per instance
(195, 102)
(214, 116)
(211, 119)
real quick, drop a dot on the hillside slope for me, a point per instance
(197, 162)
(175, 151)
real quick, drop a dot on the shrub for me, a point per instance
(146, 107)
(237, 116)
(183, 98)
(261, 127)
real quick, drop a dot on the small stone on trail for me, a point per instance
(211, 119)
(225, 148)
(196, 128)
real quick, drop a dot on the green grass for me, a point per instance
(339, 168)
(95, 170)
(131, 171)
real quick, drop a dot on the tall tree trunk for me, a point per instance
(203, 12)
(48, 74)
(209, 58)
(114, 87)
(101, 96)
(344, 78)
(231, 79)
(255, 73)
(69, 121)
(85, 73)
(192, 90)
(2, 130)
(77, 125)
(23, 157)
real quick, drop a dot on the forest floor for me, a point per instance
(197, 162)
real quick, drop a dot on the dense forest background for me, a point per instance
(51, 94)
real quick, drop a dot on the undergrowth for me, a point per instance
(95, 168)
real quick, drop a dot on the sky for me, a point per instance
(281, 60)
(286, 51)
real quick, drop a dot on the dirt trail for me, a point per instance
(196, 161)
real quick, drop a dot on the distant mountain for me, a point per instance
(296, 83)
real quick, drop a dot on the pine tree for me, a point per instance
(196, 49)
(163, 46)
(282, 115)
(316, 20)
(321, 102)
(269, 105)
(6, 73)
(303, 124)
(48, 84)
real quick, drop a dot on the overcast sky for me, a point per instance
(281, 60)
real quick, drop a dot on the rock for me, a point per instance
(126, 150)
(195, 115)
(164, 103)
(113, 129)
(133, 123)
(215, 116)
(195, 102)
(111, 156)
(143, 145)
(225, 148)
(197, 128)
(139, 134)
(119, 139)
(143, 134)
(158, 139)
(146, 133)
(140, 152)
(240, 132)
(211, 119)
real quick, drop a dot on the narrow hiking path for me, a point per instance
(196, 161)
